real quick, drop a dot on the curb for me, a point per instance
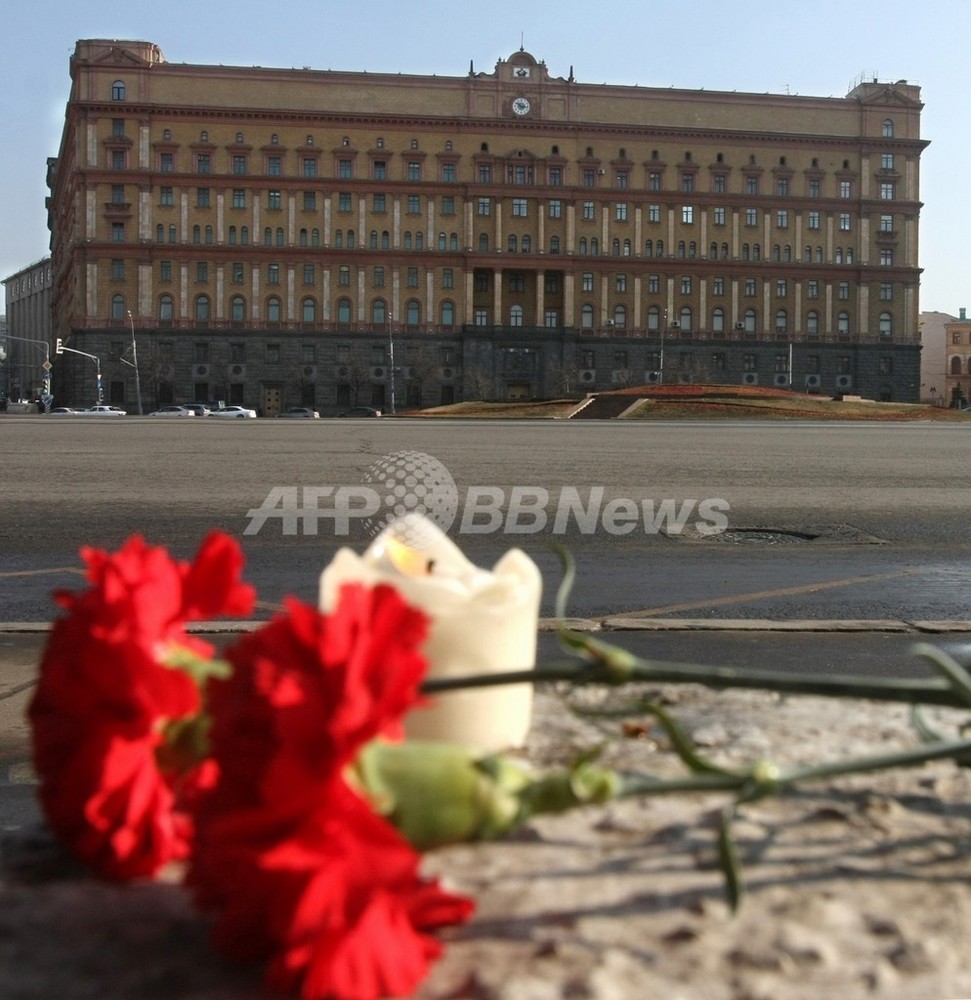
(631, 623)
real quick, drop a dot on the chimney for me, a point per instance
(962, 314)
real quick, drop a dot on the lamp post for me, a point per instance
(134, 364)
(391, 369)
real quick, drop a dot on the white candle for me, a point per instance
(480, 622)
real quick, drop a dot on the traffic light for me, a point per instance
(59, 346)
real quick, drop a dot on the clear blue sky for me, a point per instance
(784, 46)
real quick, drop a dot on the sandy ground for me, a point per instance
(856, 888)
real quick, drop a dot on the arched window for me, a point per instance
(202, 307)
(160, 233)
(812, 323)
(379, 311)
(781, 321)
(413, 312)
(308, 310)
(118, 90)
(659, 248)
(839, 255)
(849, 255)
(843, 323)
(681, 248)
(615, 247)
(165, 308)
(586, 316)
(516, 316)
(244, 235)
(117, 307)
(196, 234)
(419, 241)
(713, 251)
(653, 319)
(887, 125)
(776, 252)
(746, 251)
(373, 239)
(649, 248)
(583, 246)
(787, 254)
(819, 255)
(756, 251)
(886, 324)
(280, 240)
(955, 365)
(483, 242)
(512, 243)
(339, 239)
(718, 320)
(273, 309)
(807, 255)
(554, 244)
(527, 244)
(385, 240)
(268, 237)
(448, 313)
(232, 236)
(685, 317)
(749, 320)
(453, 241)
(442, 241)
(407, 239)
(594, 246)
(724, 251)
(627, 248)
(315, 237)
(209, 235)
(620, 317)
(172, 234)
(343, 310)
(237, 309)
(692, 249)
(304, 241)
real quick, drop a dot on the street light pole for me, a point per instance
(391, 369)
(134, 357)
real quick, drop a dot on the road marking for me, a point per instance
(76, 570)
(759, 595)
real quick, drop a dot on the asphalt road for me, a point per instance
(824, 520)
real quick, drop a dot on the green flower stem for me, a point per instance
(906, 690)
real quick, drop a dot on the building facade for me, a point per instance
(957, 339)
(298, 237)
(25, 373)
(934, 364)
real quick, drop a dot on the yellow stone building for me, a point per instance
(299, 237)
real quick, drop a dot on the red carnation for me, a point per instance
(104, 696)
(295, 864)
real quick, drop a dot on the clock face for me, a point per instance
(520, 106)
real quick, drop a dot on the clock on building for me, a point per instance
(521, 106)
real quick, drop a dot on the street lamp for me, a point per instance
(134, 364)
(391, 369)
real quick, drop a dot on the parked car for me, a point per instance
(301, 411)
(360, 411)
(238, 412)
(173, 411)
(103, 410)
(64, 411)
(199, 409)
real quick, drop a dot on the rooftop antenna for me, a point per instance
(522, 42)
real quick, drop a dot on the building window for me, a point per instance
(412, 277)
(118, 269)
(588, 178)
(887, 191)
(555, 176)
(555, 208)
(843, 291)
(620, 283)
(414, 204)
(273, 199)
(844, 222)
(414, 170)
(345, 169)
(239, 165)
(309, 166)
(620, 211)
(239, 198)
(718, 216)
(588, 212)
(843, 326)
(781, 287)
(886, 324)
(118, 90)
(751, 216)
(274, 166)
(686, 284)
(586, 316)
(237, 309)
(846, 189)
(273, 310)
(413, 312)
(516, 316)
(886, 258)
(519, 207)
(782, 218)
(886, 291)
(165, 270)
(117, 232)
(654, 181)
(687, 213)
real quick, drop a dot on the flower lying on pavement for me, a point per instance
(279, 774)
